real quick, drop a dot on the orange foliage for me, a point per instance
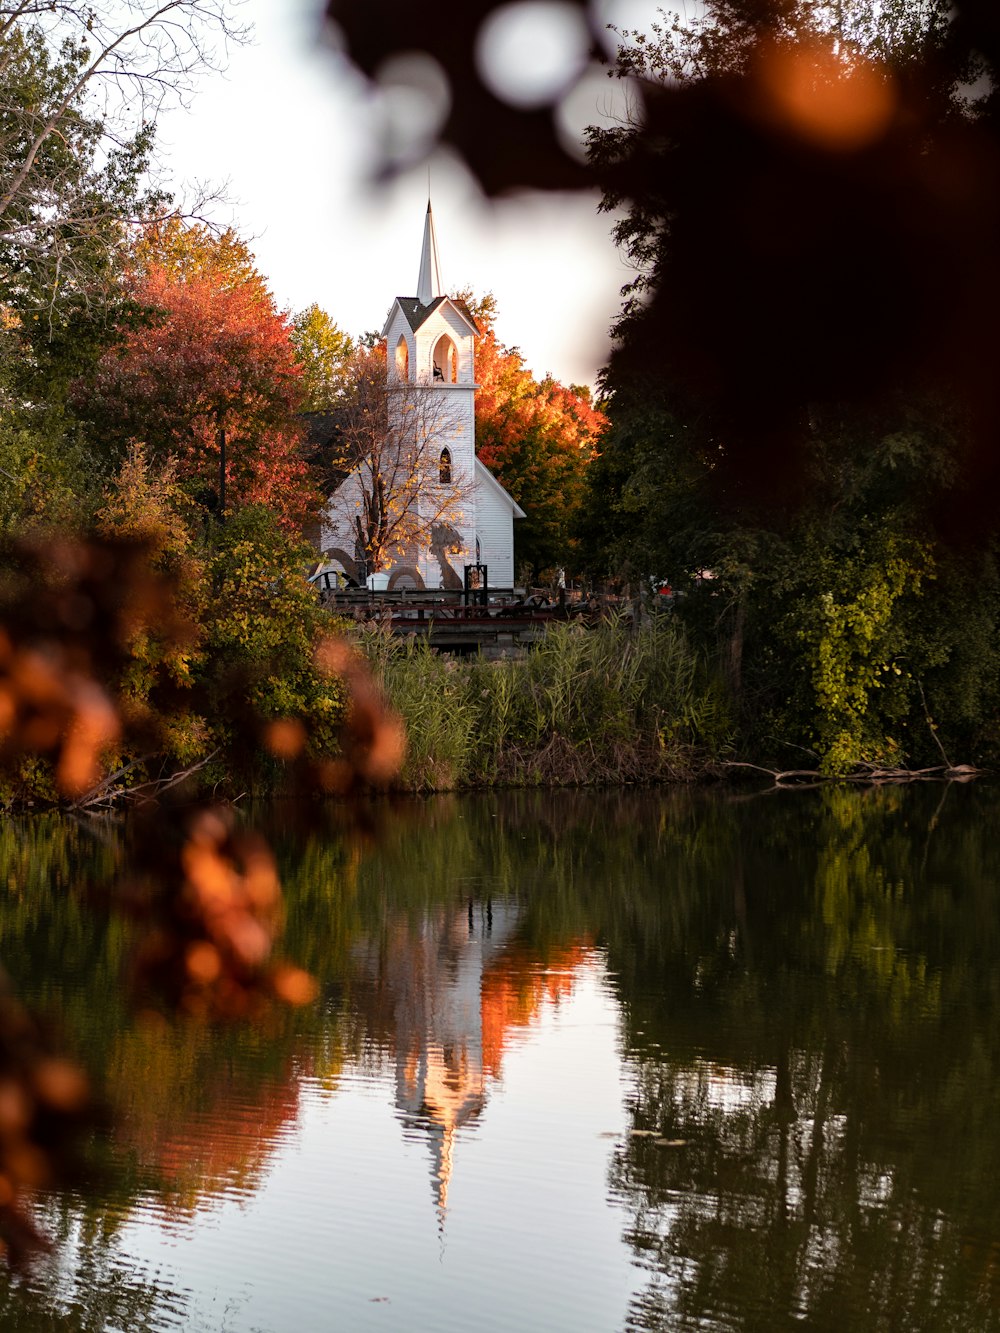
(511, 405)
(214, 353)
(216, 912)
(373, 738)
(514, 988)
(70, 611)
(536, 437)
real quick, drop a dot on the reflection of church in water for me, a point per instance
(447, 992)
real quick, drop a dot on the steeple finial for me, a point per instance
(429, 283)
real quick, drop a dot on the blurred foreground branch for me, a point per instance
(203, 891)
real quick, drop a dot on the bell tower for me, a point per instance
(430, 345)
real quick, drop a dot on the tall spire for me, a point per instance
(429, 282)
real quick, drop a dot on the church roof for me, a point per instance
(417, 312)
(331, 458)
(322, 428)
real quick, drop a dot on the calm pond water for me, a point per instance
(678, 1061)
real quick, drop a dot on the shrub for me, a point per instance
(600, 704)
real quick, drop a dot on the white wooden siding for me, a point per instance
(495, 529)
(488, 512)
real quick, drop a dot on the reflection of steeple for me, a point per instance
(452, 989)
(436, 980)
(442, 1149)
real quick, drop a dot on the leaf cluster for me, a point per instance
(538, 437)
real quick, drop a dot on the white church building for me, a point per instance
(430, 345)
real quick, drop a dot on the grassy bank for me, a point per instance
(598, 705)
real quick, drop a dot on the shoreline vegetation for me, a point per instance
(602, 706)
(593, 706)
(266, 682)
(218, 674)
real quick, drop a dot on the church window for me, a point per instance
(444, 469)
(402, 359)
(445, 360)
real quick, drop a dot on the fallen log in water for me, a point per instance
(868, 774)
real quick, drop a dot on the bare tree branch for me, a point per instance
(398, 497)
(80, 87)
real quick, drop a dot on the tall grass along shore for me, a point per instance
(607, 704)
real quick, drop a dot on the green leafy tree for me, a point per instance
(323, 351)
(83, 84)
(263, 625)
(48, 474)
(820, 507)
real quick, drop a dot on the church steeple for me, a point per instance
(429, 282)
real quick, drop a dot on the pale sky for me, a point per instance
(293, 131)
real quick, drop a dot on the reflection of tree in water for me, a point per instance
(197, 1111)
(86, 1285)
(814, 1063)
(808, 986)
(808, 990)
(226, 1117)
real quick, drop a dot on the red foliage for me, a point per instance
(536, 437)
(512, 406)
(215, 353)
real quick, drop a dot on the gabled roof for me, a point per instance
(458, 304)
(417, 313)
(484, 474)
(322, 428)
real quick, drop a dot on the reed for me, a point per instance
(429, 691)
(604, 704)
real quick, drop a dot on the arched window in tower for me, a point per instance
(402, 359)
(445, 361)
(444, 468)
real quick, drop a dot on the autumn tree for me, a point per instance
(396, 498)
(212, 365)
(323, 352)
(82, 85)
(538, 438)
